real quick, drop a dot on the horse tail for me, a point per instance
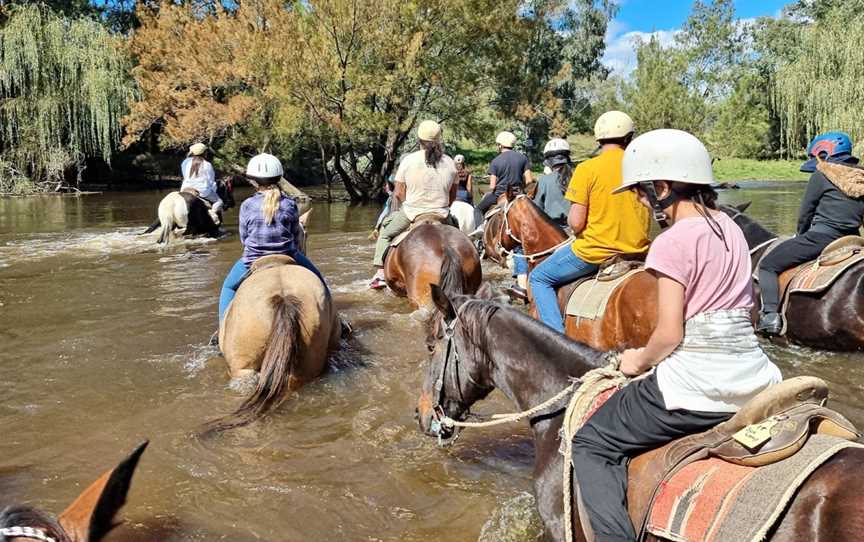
(284, 352)
(452, 278)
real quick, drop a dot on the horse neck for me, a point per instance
(536, 231)
(530, 362)
(755, 233)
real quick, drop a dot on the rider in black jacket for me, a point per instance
(826, 215)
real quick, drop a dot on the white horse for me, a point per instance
(467, 216)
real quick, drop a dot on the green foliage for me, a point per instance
(63, 88)
(822, 88)
(658, 95)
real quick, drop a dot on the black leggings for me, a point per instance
(633, 420)
(788, 254)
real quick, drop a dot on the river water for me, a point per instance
(102, 344)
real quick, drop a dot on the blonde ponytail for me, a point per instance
(272, 196)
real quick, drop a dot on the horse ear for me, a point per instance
(304, 218)
(91, 515)
(743, 207)
(443, 302)
(485, 292)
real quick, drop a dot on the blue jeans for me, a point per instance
(562, 267)
(520, 263)
(238, 273)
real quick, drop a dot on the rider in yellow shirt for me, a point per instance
(605, 224)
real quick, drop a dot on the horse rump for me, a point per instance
(284, 351)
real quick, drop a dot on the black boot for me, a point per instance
(214, 339)
(770, 323)
(517, 292)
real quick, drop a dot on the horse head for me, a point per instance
(457, 374)
(225, 189)
(88, 519)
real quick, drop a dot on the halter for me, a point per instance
(505, 227)
(26, 532)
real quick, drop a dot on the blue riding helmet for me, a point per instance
(831, 146)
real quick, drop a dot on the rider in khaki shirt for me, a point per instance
(425, 183)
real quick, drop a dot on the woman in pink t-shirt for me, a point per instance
(707, 360)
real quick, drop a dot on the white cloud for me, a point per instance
(620, 55)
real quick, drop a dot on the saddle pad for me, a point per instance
(589, 299)
(715, 501)
(399, 238)
(813, 277)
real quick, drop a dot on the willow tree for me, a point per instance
(822, 88)
(64, 87)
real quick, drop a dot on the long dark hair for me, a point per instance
(433, 150)
(565, 172)
(699, 193)
(196, 166)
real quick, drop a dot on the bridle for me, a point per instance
(451, 359)
(505, 228)
(25, 532)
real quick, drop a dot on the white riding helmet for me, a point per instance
(665, 155)
(506, 139)
(264, 166)
(429, 130)
(197, 149)
(556, 145)
(612, 125)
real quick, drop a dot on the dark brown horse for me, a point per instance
(88, 519)
(831, 320)
(416, 263)
(495, 346)
(631, 313)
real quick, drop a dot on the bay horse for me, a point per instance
(185, 211)
(415, 263)
(88, 519)
(496, 346)
(279, 329)
(830, 320)
(631, 312)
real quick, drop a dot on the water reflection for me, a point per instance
(103, 346)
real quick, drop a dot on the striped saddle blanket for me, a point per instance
(715, 501)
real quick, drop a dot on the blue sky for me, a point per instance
(641, 18)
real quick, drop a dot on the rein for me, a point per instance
(505, 227)
(583, 391)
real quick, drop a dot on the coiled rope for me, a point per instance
(584, 391)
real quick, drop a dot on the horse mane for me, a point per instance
(754, 232)
(27, 516)
(477, 317)
(543, 216)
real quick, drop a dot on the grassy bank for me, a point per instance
(744, 169)
(725, 169)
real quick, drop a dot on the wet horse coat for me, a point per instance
(499, 347)
(830, 320)
(631, 311)
(281, 326)
(416, 263)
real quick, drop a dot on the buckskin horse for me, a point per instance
(88, 519)
(831, 320)
(631, 312)
(280, 329)
(186, 211)
(495, 346)
(415, 263)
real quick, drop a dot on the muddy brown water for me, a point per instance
(102, 344)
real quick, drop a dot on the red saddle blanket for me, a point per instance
(715, 501)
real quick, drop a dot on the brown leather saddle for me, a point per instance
(771, 427)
